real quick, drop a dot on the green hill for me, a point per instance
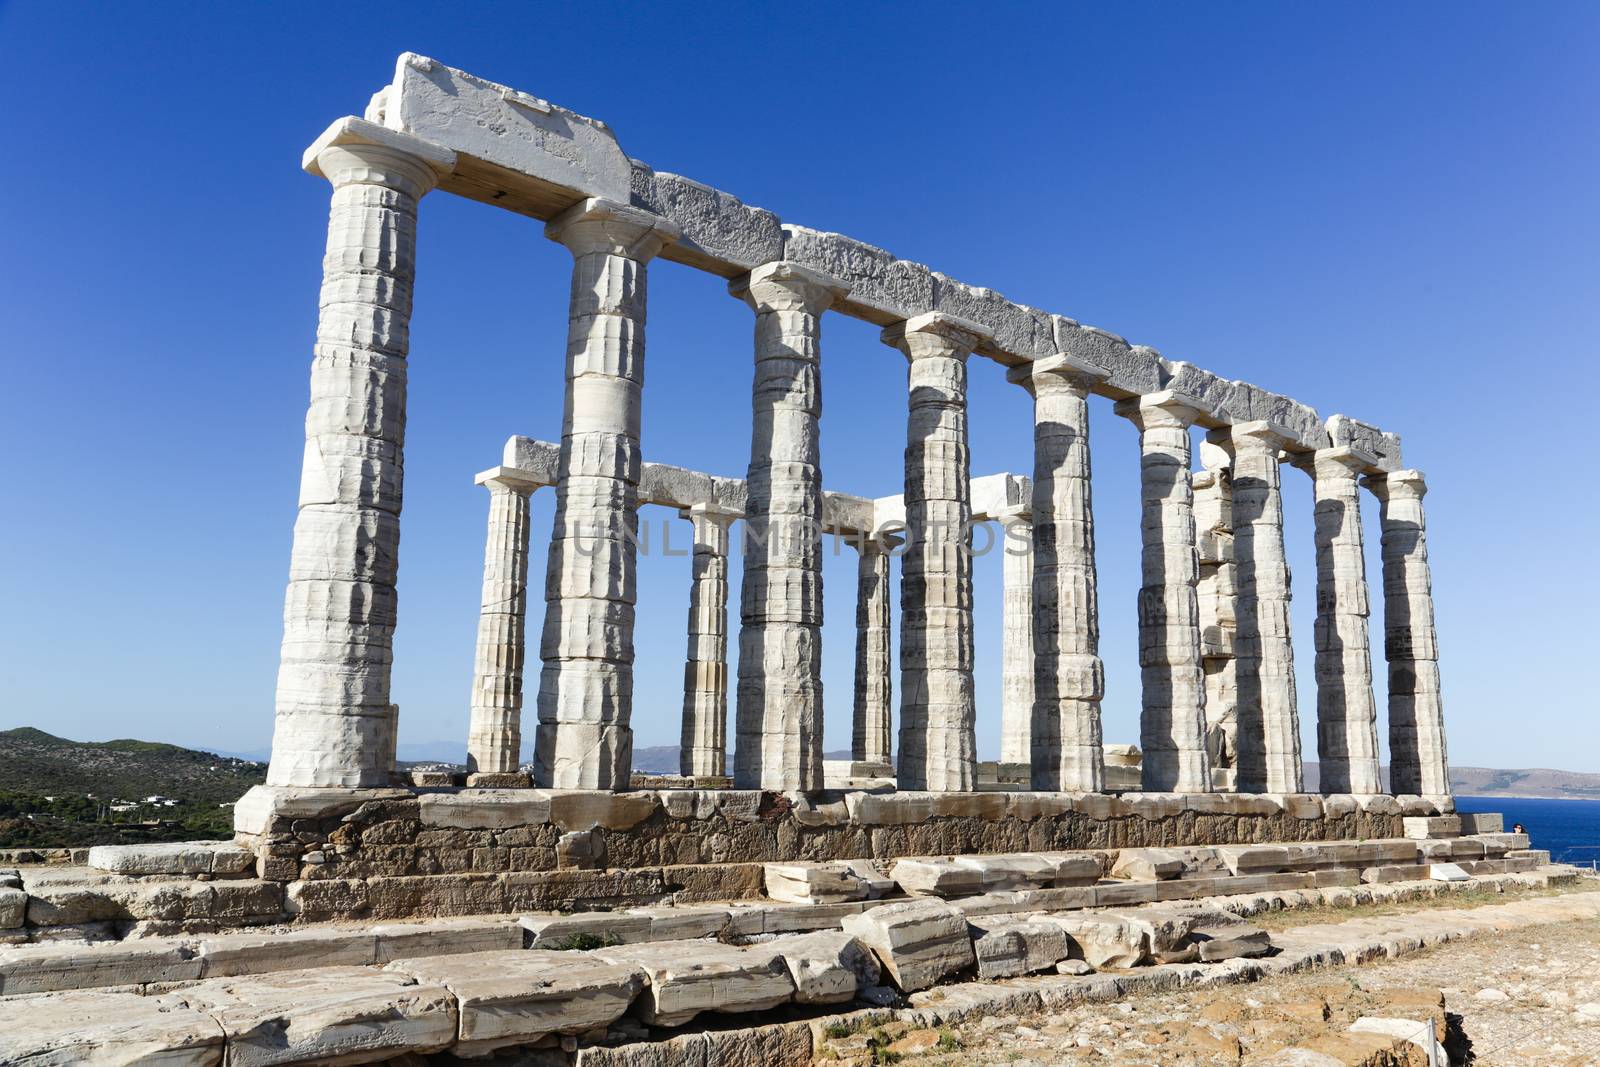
(32, 761)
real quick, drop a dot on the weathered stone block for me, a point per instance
(330, 1014)
(917, 942)
(827, 967)
(42, 968)
(107, 1028)
(688, 977)
(1008, 947)
(231, 955)
(813, 883)
(509, 998)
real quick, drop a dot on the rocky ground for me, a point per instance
(1523, 998)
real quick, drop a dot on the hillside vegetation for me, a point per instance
(55, 792)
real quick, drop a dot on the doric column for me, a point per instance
(1347, 729)
(1069, 679)
(938, 742)
(1016, 637)
(779, 716)
(1217, 592)
(586, 688)
(1172, 726)
(494, 739)
(1417, 757)
(1269, 722)
(334, 718)
(702, 752)
(870, 737)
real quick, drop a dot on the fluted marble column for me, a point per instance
(702, 751)
(494, 738)
(584, 740)
(870, 737)
(334, 720)
(1347, 730)
(779, 716)
(1418, 762)
(1172, 726)
(938, 741)
(1069, 679)
(1269, 719)
(1016, 637)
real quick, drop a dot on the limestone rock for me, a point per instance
(1103, 940)
(689, 977)
(40, 968)
(232, 955)
(1008, 947)
(1228, 941)
(518, 997)
(106, 1030)
(918, 942)
(827, 967)
(329, 1015)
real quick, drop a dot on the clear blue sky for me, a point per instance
(1382, 210)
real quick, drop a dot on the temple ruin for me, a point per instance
(353, 891)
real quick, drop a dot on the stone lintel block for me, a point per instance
(1384, 448)
(351, 131)
(721, 234)
(107, 1028)
(1133, 369)
(1014, 332)
(514, 150)
(883, 289)
(265, 809)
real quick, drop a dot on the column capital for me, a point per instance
(354, 151)
(1341, 462)
(1261, 434)
(507, 479)
(785, 286)
(1166, 408)
(1398, 485)
(707, 511)
(1060, 371)
(596, 224)
(936, 334)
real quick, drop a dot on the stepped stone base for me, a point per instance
(702, 841)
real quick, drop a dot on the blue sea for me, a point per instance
(1570, 829)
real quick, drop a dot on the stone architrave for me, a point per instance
(1065, 748)
(1172, 726)
(778, 720)
(1269, 720)
(494, 737)
(1347, 717)
(333, 718)
(584, 740)
(871, 740)
(702, 751)
(938, 712)
(1418, 762)
(1016, 637)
